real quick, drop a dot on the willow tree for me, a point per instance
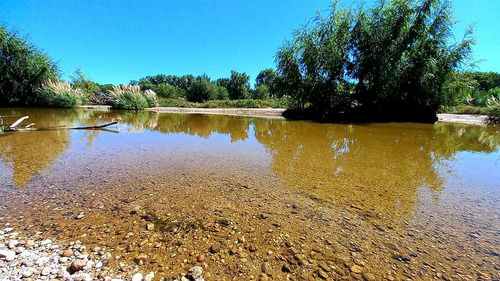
(387, 62)
(23, 69)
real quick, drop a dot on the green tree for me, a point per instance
(23, 69)
(388, 62)
(238, 86)
(202, 89)
(266, 80)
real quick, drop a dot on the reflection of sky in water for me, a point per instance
(473, 170)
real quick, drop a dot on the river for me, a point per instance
(247, 197)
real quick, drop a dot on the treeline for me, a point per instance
(202, 88)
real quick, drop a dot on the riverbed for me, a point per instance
(259, 198)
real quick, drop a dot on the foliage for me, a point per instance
(238, 86)
(473, 88)
(202, 89)
(179, 102)
(267, 78)
(59, 94)
(387, 62)
(23, 69)
(130, 97)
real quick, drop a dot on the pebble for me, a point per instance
(356, 269)
(195, 273)
(44, 259)
(78, 264)
(137, 277)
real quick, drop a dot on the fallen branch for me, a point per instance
(15, 124)
(93, 127)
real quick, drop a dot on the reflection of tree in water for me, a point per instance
(27, 153)
(374, 168)
(204, 125)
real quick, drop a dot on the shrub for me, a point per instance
(59, 94)
(128, 97)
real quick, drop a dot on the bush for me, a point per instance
(131, 98)
(59, 94)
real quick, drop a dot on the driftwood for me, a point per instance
(93, 127)
(16, 126)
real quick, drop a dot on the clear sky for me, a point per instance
(115, 41)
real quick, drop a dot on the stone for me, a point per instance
(325, 267)
(195, 273)
(12, 244)
(201, 258)
(252, 248)
(45, 271)
(150, 226)
(149, 276)
(369, 276)
(27, 272)
(356, 269)
(215, 248)
(140, 257)
(137, 277)
(322, 274)
(67, 253)
(80, 216)
(78, 264)
(7, 255)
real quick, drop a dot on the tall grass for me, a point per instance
(130, 97)
(59, 94)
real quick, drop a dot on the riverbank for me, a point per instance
(278, 113)
(252, 112)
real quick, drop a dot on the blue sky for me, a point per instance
(116, 41)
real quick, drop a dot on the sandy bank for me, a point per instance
(254, 112)
(463, 118)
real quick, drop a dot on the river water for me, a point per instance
(276, 198)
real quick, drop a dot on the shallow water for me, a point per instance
(425, 196)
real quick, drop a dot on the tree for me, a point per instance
(23, 69)
(238, 85)
(388, 62)
(266, 81)
(202, 89)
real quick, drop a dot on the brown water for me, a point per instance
(282, 199)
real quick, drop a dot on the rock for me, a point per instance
(140, 257)
(195, 273)
(322, 274)
(286, 268)
(12, 244)
(474, 235)
(78, 264)
(233, 250)
(149, 276)
(7, 255)
(215, 248)
(150, 226)
(201, 258)
(252, 248)
(80, 216)
(325, 267)
(67, 253)
(29, 243)
(137, 277)
(45, 271)
(27, 272)
(243, 255)
(356, 269)
(369, 276)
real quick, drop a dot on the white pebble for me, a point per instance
(7, 255)
(137, 277)
(150, 276)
